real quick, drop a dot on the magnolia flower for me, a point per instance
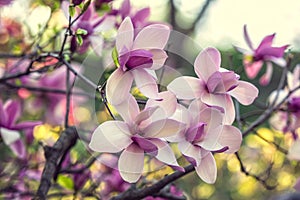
(205, 134)
(92, 25)
(138, 57)
(254, 59)
(138, 17)
(135, 136)
(214, 85)
(10, 129)
(288, 118)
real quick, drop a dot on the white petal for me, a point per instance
(245, 92)
(207, 170)
(128, 110)
(146, 83)
(230, 137)
(131, 163)
(165, 153)
(168, 104)
(154, 36)
(207, 62)
(162, 128)
(118, 86)
(190, 150)
(125, 35)
(159, 58)
(9, 136)
(222, 100)
(111, 137)
(186, 87)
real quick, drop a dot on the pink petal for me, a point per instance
(140, 16)
(190, 151)
(162, 128)
(3, 117)
(207, 63)
(131, 163)
(13, 111)
(159, 58)
(182, 115)
(111, 137)
(230, 137)
(245, 92)
(118, 86)
(252, 68)
(247, 38)
(266, 78)
(145, 115)
(26, 125)
(265, 43)
(186, 87)
(196, 107)
(125, 35)
(165, 153)
(18, 148)
(97, 44)
(168, 103)
(128, 110)
(223, 101)
(146, 83)
(213, 119)
(154, 36)
(207, 170)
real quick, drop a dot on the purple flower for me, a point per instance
(5, 2)
(138, 57)
(139, 133)
(215, 85)
(93, 25)
(254, 59)
(10, 128)
(138, 18)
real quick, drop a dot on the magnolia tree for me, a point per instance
(97, 103)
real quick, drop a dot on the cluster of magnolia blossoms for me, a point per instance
(200, 127)
(287, 118)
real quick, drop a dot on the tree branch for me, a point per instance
(53, 156)
(136, 194)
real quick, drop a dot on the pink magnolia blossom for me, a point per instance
(135, 136)
(10, 128)
(288, 118)
(138, 57)
(138, 17)
(254, 59)
(214, 85)
(204, 135)
(94, 25)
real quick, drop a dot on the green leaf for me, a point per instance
(86, 5)
(81, 31)
(115, 57)
(65, 182)
(72, 10)
(79, 40)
